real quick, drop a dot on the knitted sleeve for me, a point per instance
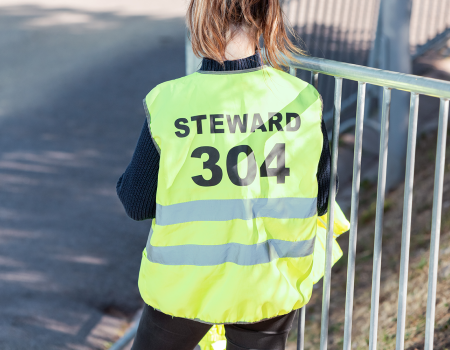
(136, 188)
(324, 174)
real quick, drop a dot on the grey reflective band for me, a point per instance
(231, 209)
(239, 254)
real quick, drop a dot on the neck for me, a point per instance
(240, 45)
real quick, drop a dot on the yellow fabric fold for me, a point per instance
(341, 225)
(215, 338)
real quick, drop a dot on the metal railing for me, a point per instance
(416, 86)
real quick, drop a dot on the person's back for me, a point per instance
(250, 216)
(236, 206)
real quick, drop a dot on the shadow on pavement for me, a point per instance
(68, 126)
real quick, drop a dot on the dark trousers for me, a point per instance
(158, 331)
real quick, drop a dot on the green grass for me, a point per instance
(370, 213)
(422, 263)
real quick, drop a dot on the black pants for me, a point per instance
(158, 331)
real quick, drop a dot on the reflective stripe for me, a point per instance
(240, 254)
(230, 209)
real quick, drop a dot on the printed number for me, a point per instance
(232, 168)
(210, 164)
(278, 152)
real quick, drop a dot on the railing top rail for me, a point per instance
(400, 81)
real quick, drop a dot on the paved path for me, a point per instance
(72, 78)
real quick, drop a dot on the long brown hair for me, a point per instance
(212, 23)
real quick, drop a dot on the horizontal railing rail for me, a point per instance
(379, 77)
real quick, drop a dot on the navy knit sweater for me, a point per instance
(136, 188)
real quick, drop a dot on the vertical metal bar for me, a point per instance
(436, 223)
(301, 329)
(354, 216)
(330, 224)
(382, 167)
(126, 338)
(406, 225)
(292, 71)
(314, 79)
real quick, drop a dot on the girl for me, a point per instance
(233, 167)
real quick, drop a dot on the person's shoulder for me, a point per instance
(168, 87)
(174, 83)
(293, 82)
(292, 79)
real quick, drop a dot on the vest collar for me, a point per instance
(231, 71)
(242, 65)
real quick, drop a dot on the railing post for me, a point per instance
(406, 224)
(436, 223)
(301, 329)
(354, 216)
(330, 223)
(315, 79)
(382, 167)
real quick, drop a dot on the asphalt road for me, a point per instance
(72, 78)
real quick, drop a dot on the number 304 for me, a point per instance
(278, 152)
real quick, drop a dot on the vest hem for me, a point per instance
(223, 323)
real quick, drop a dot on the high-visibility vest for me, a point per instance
(236, 216)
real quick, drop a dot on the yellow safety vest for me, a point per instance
(236, 218)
